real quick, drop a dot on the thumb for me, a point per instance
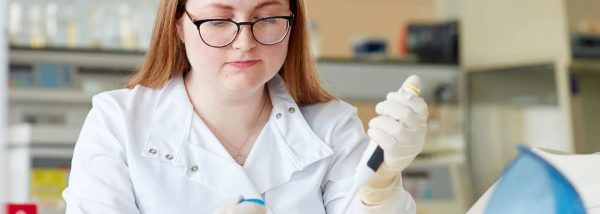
(228, 205)
(249, 208)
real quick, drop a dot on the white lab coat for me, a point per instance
(144, 150)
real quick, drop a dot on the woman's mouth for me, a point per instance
(243, 63)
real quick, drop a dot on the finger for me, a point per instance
(416, 104)
(385, 123)
(249, 208)
(410, 138)
(227, 206)
(379, 137)
(398, 112)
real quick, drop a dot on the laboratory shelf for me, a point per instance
(345, 78)
(358, 80)
(585, 66)
(79, 57)
(42, 135)
(39, 95)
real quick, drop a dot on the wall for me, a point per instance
(582, 10)
(500, 33)
(340, 22)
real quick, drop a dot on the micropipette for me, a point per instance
(365, 169)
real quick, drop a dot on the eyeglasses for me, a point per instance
(219, 33)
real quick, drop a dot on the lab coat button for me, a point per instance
(194, 168)
(291, 110)
(278, 115)
(169, 157)
(152, 151)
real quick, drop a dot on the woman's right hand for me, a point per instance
(237, 205)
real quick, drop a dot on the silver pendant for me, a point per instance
(239, 158)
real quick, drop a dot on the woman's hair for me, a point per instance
(166, 56)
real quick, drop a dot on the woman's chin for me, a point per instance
(246, 80)
(244, 84)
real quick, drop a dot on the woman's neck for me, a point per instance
(229, 115)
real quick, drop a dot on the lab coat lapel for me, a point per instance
(287, 144)
(217, 173)
(169, 142)
(171, 123)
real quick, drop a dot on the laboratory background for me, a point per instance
(496, 74)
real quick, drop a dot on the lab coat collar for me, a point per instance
(171, 122)
(305, 146)
(289, 146)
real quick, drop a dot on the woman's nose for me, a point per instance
(245, 40)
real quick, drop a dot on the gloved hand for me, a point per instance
(237, 205)
(401, 125)
(400, 131)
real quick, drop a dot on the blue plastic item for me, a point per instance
(532, 185)
(252, 200)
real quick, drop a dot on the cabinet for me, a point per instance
(585, 102)
(45, 119)
(65, 103)
(515, 58)
(81, 24)
(39, 158)
(522, 84)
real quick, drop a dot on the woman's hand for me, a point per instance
(401, 125)
(400, 131)
(239, 205)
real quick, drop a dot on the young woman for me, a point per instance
(226, 114)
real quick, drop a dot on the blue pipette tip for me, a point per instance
(252, 200)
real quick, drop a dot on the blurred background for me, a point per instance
(496, 73)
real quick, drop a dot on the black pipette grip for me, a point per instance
(376, 159)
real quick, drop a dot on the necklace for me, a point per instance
(237, 153)
(240, 156)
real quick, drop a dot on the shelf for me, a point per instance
(129, 58)
(345, 78)
(372, 81)
(82, 58)
(42, 135)
(390, 61)
(38, 95)
(586, 66)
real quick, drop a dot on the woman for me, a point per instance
(227, 106)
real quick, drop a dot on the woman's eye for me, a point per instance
(218, 23)
(271, 20)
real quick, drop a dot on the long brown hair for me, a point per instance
(166, 56)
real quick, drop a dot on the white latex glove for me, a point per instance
(401, 125)
(233, 206)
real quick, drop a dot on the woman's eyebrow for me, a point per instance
(229, 7)
(219, 6)
(267, 3)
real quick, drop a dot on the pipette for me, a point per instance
(366, 168)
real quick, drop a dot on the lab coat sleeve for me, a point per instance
(99, 181)
(349, 141)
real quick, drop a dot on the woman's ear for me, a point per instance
(179, 27)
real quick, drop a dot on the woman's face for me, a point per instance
(243, 65)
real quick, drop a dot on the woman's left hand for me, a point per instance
(237, 205)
